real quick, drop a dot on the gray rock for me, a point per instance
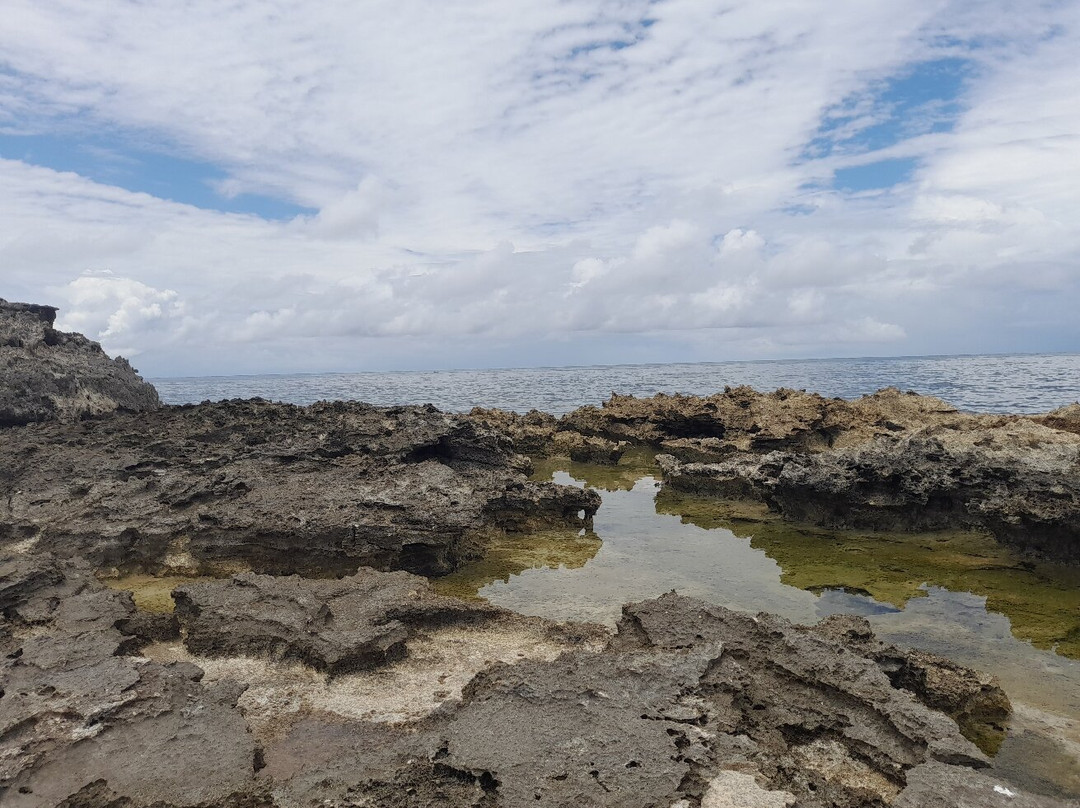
(273, 487)
(335, 626)
(934, 785)
(1017, 479)
(74, 710)
(49, 374)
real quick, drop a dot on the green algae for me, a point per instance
(1041, 600)
(151, 593)
(636, 462)
(511, 555)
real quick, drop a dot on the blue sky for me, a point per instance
(218, 189)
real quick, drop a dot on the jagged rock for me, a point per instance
(585, 449)
(335, 626)
(689, 703)
(50, 374)
(1017, 479)
(975, 700)
(274, 488)
(75, 710)
(743, 420)
(531, 433)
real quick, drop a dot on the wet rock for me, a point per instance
(245, 484)
(585, 449)
(934, 785)
(688, 704)
(975, 700)
(53, 375)
(335, 626)
(1015, 478)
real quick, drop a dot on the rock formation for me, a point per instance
(888, 461)
(48, 374)
(1013, 477)
(687, 704)
(273, 488)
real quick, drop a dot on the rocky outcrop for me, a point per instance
(52, 375)
(334, 626)
(531, 433)
(273, 488)
(79, 716)
(688, 704)
(1014, 477)
(741, 419)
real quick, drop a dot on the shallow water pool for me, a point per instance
(960, 595)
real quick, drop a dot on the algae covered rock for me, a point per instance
(52, 375)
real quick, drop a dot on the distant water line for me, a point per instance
(996, 383)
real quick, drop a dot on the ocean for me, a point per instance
(996, 383)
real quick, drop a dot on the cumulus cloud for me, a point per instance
(120, 312)
(554, 173)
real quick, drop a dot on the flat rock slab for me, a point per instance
(76, 710)
(335, 626)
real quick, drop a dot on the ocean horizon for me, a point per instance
(1011, 382)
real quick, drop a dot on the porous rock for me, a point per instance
(50, 374)
(1014, 477)
(336, 626)
(76, 710)
(274, 488)
(740, 419)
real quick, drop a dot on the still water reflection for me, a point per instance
(960, 595)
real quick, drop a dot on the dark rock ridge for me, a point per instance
(689, 704)
(1014, 477)
(49, 374)
(888, 461)
(274, 488)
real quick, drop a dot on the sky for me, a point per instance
(234, 187)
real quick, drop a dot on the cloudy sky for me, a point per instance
(275, 185)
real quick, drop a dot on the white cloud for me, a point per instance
(552, 171)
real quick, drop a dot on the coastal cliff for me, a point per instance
(53, 375)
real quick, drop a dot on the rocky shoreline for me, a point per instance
(307, 662)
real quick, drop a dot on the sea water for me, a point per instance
(1012, 383)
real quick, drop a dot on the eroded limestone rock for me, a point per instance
(273, 488)
(52, 375)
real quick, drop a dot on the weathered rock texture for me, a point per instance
(1017, 479)
(75, 710)
(689, 704)
(335, 626)
(274, 488)
(741, 419)
(889, 461)
(48, 374)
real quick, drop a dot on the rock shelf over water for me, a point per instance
(888, 461)
(317, 669)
